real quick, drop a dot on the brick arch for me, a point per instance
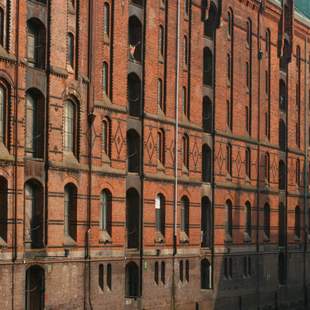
(6, 77)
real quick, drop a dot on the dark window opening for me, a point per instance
(282, 96)
(229, 220)
(248, 219)
(34, 288)
(282, 175)
(181, 271)
(207, 122)
(248, 162)
(134, 95)
(3, 208)
(34, 220)
(163, 273)
(161, 146)
(282, 224)
(36, 43)
(187, 270)
(282, 135)
(101, 277)
(71, 211)
(133, 151)
(133, 218)
(109, 276)
(207, 67)
(135, 34)
(185, 151)
(185, 215)
(267, 221)
(5, 96)
(282, 265)
(132, 280)
(156, 273)
(206, 163)
(206, 222)
(205, 274)
(35, 123)
(71, 49)
(210, 23)
(106, 19)
(229, 158)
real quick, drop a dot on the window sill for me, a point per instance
(160, 166)
(247, 238)
(106, 39)
(161, 59)
(4, 153)
(159, 238)
(184, 237)
(70, 160)
(69, 242)
(70, 69)
(104, 237)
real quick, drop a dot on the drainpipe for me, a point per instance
(175, 216)
(14, 239)
(90, 121)
(259, 58)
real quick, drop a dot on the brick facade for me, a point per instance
(59, 249)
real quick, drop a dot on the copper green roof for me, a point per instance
(303, 7)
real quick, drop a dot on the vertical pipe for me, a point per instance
(14, 233)
(175, 217)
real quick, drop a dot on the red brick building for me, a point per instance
(154, 154)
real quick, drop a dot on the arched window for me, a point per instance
(185, 152)
(109, 276)
(70, 127)
(282, 135)
(267, 167)
(297, 222)
(229, 158)
(206, 222)
(282, 175)
(249, 32)
(161, 146)
(133, 218)
(207, 67)
(205, 274)
(134, 95)
(282, 224)
(185, 51)
(297, 172)
(156, 273)
(267, 221)
(206, 163)
(229, 220)
(248, 219)
(229, 68)
(248, 163)
(210, 23)
(187, 270)
(106, 211)
(34, 225)
(161, 41)
(160, 97)
(282, 95)
(230, 23)
(36, 43)
(133, 151)
(163, 273)
(185, 215)
(34, 124)
(70, 226)
(160, 213)
(35, 288)
(207, 120)
(135, 39)
(3, 208)
(229, 114)
(71, 48)
(101, 276)
(185, 106)
(4, 113)
(268, 39)
(181, 270)
(106, 19)
(132, 280)
(105, 78)
(106, 137)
